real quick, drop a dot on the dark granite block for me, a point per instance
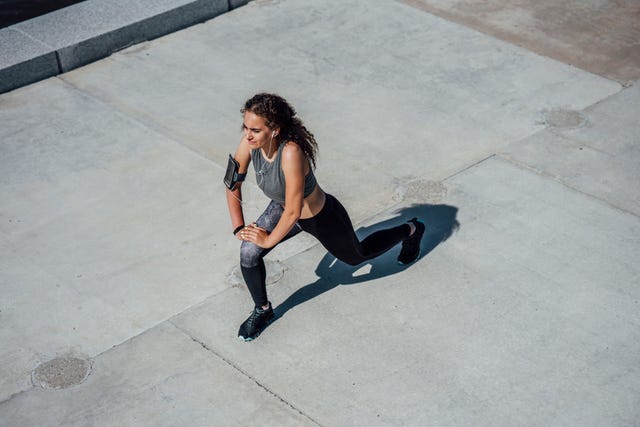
(237, 3)
(23, 60)
(94, 29)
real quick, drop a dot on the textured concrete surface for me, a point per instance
(596, 151)
(162, 377)
(115, 243)
(595, 35)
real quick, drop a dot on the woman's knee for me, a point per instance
(250, 254)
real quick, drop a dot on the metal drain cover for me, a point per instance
(61, 372)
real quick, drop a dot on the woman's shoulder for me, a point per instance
(293, 154)
(291, 149)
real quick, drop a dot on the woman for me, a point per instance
(283, 153)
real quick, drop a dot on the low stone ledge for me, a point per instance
(24, 60)
(85, 32)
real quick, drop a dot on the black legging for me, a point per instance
(332, 227)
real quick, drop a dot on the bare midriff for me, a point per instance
(313, 203)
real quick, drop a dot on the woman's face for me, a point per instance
(256, 131)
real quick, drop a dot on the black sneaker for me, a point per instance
(411, 245)
(258, 320)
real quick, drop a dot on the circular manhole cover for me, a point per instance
(420, 190)
(563, 118)
(61, 372)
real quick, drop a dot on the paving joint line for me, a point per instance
(16, 394)
(168, 319)
(623, 86)
(146, 330)
(243, 372)
(466, 168)
(563, 183)
(29, 36)
(157, 129)
(58, 62)
(578, 143)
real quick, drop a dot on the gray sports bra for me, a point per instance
(270, 177)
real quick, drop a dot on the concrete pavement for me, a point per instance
(600, 37)
(116, 247)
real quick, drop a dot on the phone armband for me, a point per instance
(231, 176)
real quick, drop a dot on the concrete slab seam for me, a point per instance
(196, 305)
(57, 53)
(466, 168)
(244, 373)
(541, 173)
(562, 136)
(24, 33)
(623, 87)
(588, 108)
(16, 394)
(133, 119)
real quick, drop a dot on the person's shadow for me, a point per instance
(440, 221)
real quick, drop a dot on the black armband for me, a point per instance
(231, 176)
(238, 228)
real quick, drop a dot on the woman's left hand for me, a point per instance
(256, 235)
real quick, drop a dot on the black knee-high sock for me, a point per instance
(256, 280)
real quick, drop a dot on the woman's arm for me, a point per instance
(243, 157)
(293, 164)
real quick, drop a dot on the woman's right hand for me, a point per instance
(240, 233)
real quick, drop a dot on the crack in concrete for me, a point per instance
(243, 372)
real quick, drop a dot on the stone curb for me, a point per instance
(69, 38)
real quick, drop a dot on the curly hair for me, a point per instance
(277, 112)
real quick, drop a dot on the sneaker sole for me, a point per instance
(413, 260)
(247, 339)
